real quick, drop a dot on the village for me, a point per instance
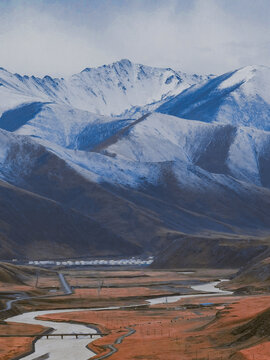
(95, 262)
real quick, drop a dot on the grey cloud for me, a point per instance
(202, 36)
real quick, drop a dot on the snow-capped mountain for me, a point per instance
(241, 152)
(72, 128)
(240, 97)
(107, 90)
(193, 157)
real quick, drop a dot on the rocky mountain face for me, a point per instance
(134, 158)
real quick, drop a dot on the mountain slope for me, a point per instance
(64, 125)
(240, 97)
(156, 196)
(240, 152)
(36, 227)
(220, 251)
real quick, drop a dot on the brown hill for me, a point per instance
(35, 227)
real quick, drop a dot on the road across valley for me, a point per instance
(23, 296)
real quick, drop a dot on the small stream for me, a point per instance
(76, 349)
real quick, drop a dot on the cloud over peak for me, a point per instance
(63, 37)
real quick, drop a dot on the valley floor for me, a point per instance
(215, 327)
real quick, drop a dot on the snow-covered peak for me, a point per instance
(254, 80)
(239, 76)
(123, 85)
(239, 98)
(120, 63)
(107, 90)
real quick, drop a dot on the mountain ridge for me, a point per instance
(238, 97)
(112, 89)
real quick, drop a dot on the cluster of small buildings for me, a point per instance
(96, 262)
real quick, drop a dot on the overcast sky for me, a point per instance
(61, 37)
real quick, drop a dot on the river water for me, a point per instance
(71, 348)
(208, 290)
(57, 348)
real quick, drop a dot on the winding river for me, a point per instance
(207, 289)
(72, 348)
